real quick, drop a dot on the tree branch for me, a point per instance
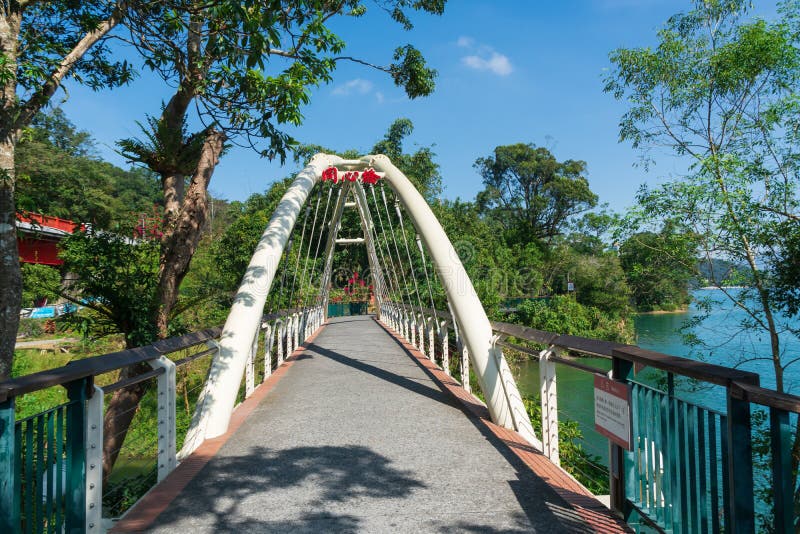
(49, 87)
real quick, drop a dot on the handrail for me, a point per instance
(105, 363)
(744, 384)
(765, 397)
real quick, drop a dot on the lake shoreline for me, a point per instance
(664, 312)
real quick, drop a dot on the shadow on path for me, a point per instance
(433, 393)
(221, 497)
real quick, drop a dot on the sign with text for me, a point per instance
(612, 410)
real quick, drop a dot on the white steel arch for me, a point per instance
(217, 400)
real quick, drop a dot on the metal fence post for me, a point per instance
(619, 462)
(781, 451)
(431, 345)
(250, 368)
(445, 348)
(75, 496)
(166, 416)
(465, 367)
(281, 336)
(296, 339)
(740, 466)
(94, 462)
(268, 351)
(9, 474)
(549, 400)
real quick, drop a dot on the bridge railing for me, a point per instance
(690, 467)
(51, 461)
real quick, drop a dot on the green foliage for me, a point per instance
(49, 31)
(531, 193)
(585, 467)
(561, 314)
(259, 62)
(39, 281)
(419, 166)
(233, 250)
(597, 278)
(659, 267)
(164, 149)
(30, 328)
(787, 269)
(411, 73)
(722, 91)
(57, 175)
(116, 279)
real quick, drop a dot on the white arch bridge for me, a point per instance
(310, 423)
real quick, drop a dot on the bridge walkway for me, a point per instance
(357, 435)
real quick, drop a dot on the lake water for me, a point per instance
(725, 343)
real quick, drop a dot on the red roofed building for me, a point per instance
(38, 236)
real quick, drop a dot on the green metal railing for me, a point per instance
(43, 466)
(691, 468)
(345, 309)
(51, 462)
(675, 471)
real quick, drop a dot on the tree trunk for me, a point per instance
(119, 415)
(10, 275)
(177, 250)
(179, 246)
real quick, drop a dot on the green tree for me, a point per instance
(42, 43)
(720, 90)
(530, 193)
(564, 315)
(39, 281)
(58, 175)
(659, 267)
(787, 269)
(115, 278)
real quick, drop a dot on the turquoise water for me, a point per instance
(724, 343)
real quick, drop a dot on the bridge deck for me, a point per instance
(358, 437)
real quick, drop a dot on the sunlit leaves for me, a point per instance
(411, 73)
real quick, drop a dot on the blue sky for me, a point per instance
(509, 71)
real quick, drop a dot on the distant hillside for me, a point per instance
(720, 272)
(59, 174)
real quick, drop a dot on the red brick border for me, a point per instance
(149, 507)
(592, 511)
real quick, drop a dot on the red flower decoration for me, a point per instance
(331, 173)
(370, 177)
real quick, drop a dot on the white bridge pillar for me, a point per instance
(216, 402)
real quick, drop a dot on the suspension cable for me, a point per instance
(299, 253)
(389, 265)
(319, 240)
(408, 250)
(394, 240)
(385, 286)
(425, 267)
(285, 258)
(311, 241)
(330, 229)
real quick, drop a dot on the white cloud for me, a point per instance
(357, 86)
(465, 42)
(496, 63)
(379, 97)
